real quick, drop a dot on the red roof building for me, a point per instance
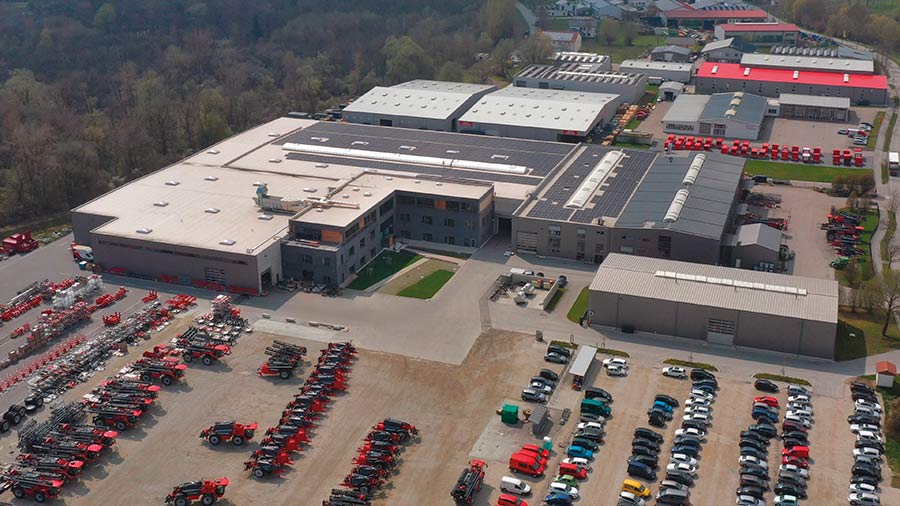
(707, 18)
(885, 367)
(861, 89)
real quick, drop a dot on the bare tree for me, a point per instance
(889, 290)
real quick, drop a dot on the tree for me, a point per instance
(498, 18)
(451, 71)
(608, 31)
(536, 49)
(889, 288)
(406, 60)
(501, 56)
(887, 30)
(482, 71)
(629, 32)
(851, 274)
(105, 18)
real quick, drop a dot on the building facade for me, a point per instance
(760, 34)
(814, 108)
(730, 50)
(671, 53)
(659, 71)
(591, 78)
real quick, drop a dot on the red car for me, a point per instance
(537, 450)
(796, 451)
(771, 401)
(573, 470)
(797, 461)
(510, 500)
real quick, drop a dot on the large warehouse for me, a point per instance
(761, 34)
(718, 305)
(861, 89)
(735, 115)
(592, 78)
(659, 71)
(711, 15)
(421, 104)
(529, 113)
(808, 63)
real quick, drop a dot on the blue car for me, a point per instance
(558, 499)
(762, 415)
(579, 451)
(663, 406)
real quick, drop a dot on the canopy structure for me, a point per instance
(583, 361)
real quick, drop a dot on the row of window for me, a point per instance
(429, 220)
(173, 252)
(429, 237)
(428, 203)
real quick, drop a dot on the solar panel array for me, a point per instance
(539, 156)
(612, 195)
(727, 7)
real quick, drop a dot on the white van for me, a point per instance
(514, 486)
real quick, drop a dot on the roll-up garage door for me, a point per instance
(720, 331)
(526, 241)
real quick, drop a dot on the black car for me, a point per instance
(643, 450)
(648, 434)
(753, 443)
(688, 440)
(597, 393)
(559, 349)
(753, 452)
(751, 491)
(706, 387)
(864, 478)
(691, 451)
(680, 477)
(795, 434)
(791, 442)
(791, 478)
(858, 386)
(765, 385)
(548, 374)
(869, 396)
(591, 433)
(697, 374)
(758, 471)
(642, 441)
(864, 419)
(647, 460)
(694, 424)
(711, 381)
(866, 470)
(658, 411)
(788, 489)
(867, 443)
(765, 429)
(671, 401)
(756, 436)
(748, 480)
(656, 420)
(585, 442)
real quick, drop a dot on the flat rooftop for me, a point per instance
(721, 287)
(814, 101)
(739, 72)
(590, 73)
(759, 27)
(420, 98)
(562, 111)
(816, 63)
(643, 65)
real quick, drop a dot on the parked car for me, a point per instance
(530, 395)
(675, 372)
(514, 486)
(644, 450)
(786, 500)
(698, 374)
(651, 461)
(556, 358)
(744, 459)
(765, 385)
(591, 425)
(597, 393)
(615, 361)
(549, 375)
(680, 466)
(558, 486)
(666, 399)
(863, 499)
(579, 451)
(649, 434)
(686, 449)
(578, 461)
(693, 432)
(562, 350)
(616, 370)
(510, 500)
(680, 477)
(585, 443)
(798, 390)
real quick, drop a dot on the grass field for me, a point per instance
(797, 171)
(864, 260)
(785, 379)
(382, 266)
(633, 124)
(692, 365)
(44, 230)
(631, 145)
(873, 135)
(428, 286)
(579, 306)
(618, 51)
(891, 445)
(866, 338)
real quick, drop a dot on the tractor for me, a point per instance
(469, 482)
(165, 371)
(237, 433)
(39, 485)
(264, 466)
(207, 491)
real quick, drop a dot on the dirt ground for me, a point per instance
(813, 133)
(805, 209)
(653, 124)
(413, 276)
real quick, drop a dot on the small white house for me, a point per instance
(884, 373)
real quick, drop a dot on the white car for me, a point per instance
(803, 473)
(591, 425)
(802, 420)
(691, 432)
(861, 410)
(633, 499)
(861, 488)
(680, 457)
(750, 459)
(615, 361)
(694, 401)
(615, 370)
(786, 500)
(874, 406)
(699, 417)
(749, 500)
(867, 434)
(698, 410)
(863, 498)
(558, 486)
(578, 461)
(867, 451)
(680, 466)
(798, 390)
(799, 398)
(795, 406)
(540, 387)
(801, 412)
(701, 394)
(856, 427)
(675, 372)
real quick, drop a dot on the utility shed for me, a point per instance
(885, 372)
(737, 115)
(755, 244)
(719, 305)
(814, 108)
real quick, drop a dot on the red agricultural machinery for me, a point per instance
(166, 371)
(469, 482)
(41, 486)
(58, 465)
(195, 344)
(237, 433)
(206, 491)
(283, 360)
(20, 243)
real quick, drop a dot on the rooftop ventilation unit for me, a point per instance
(846, 78)
(747, 71)
(144, 230)
(367, 194)
(258, 183)
(675, 207)
(211, 178)
(321, 165)
(796, 74)
(730, 113)
(592, 182)
(274, 134)
(697, 278)
(694, 170)
(359, 143)
(405, 158)
(212, 210)
(319, 139)
(736, 101)
(265, 217)
(160, 204)
(739, 94)
(172, 183)
(227, 242)
(212, 152)
(274, 160)
(310, 189)
(714, 70)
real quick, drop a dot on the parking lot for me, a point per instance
(813, 133)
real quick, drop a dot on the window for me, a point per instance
(581, 233)
(362, 260)
(554, 244)
(521, 83)
(309, 234)
(626, 249)
(326, 261)
(544, 85)
(386, 207)
(372, 234)
(554, 230)
(214, 275)
(704, 128)
(406, 201)
(426, 220)
(718, 326)
(352, 252)
(427, 237)
(372, 252)
(449, 239)
(664, 246)
(453, 205)
(405, 234)
(719, 130)
(470, 225)
(425, 203)
(449, 222)
(404, 217)
(362, 243)
(307, 259)
(469, 207)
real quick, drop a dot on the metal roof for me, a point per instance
(561, 36)
(556, 110)
(748, 108)
(741, 73)
(420, 99)
(731, 42)
(672, 86)
(671, 48)
(578, 57)
(591, 73)
(731, 12)
(759, 27)
(816, 63)
(639, 66)
(758, 234)
(582, 363)
(814, 101)
(707, 207)
(686, 108)
(718, 287)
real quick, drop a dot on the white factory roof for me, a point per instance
(814, 101)
(817, 63)
(642, 65)
(686, 108)
(539, 108)
(720, 287)
(420, 99)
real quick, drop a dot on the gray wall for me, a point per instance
(83, 223)
(646, 243)
(595, 238)
(543, 134)
(733, 129)
(857, 96)
(630, 92)
(725, 54)
(753, 254)
(442, 125)
(681, 76)
(753, 330)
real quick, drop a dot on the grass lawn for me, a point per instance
(612, 352)
(692, 365)
(873, 135)
(580, 306)
(618, 51)
(785, 379)
(428, 286)
(889, 133)
(867, 338)
(633, 124)
(385, 264)
(630, 145)
(797, 171)
(888, 235)
(885, 173)
(551, 304)
(865, 260)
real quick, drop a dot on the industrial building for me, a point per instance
(829, 52)
(606, 200)
(730, 50)
(754, 245)
(670, 53)
(861, 89)
(709, 16)
(421, 104)
(591, 78)
(717, 305)
(729, 115)
(659, 71)
(563, 41)
(814, 108)
(808, 63)
(670, 90)
(530, 113)
(760, 34)
(597, 62)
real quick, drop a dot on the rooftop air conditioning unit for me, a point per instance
(227, 242)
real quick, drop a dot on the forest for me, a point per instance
(94, 93)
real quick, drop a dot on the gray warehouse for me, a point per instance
(736, 115)
(592, 78)
(719, 305)
(529, 113)
(421, 104)
(659, 71)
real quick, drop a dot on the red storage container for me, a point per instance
(785, 153)
(724, 150)
(774, 154)
(734, 150)
(678, 144)
(795, 155)
(719, 142)
(774, 147)
(690, 139)
(666, 145)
